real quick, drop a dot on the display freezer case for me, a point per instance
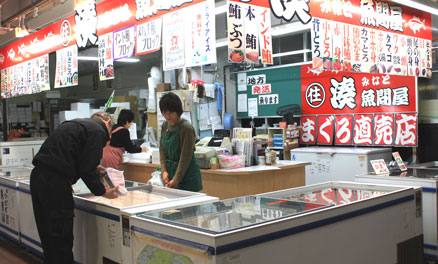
(29, 233)
(338, 163)
(9, 202)
(427, 179)
(18, 153)
(266, 229)
(101, 226)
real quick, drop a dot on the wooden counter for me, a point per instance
(225, 184)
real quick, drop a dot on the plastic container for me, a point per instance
(231, 162)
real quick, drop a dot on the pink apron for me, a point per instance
(112, 156)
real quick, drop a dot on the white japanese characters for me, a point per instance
(406, 130)
(309, 129)
(343, 93)
(383, 129)
(288, 9)
(315, 95)
(86, 23)
(363, 129)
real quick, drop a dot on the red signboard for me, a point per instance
(330, 92)
(112, 15)
(363, 130)
(261, 3)
(344, 129)
(308, 124)
(326, 126)
(382, 15)
(406, 129)
(383, 129)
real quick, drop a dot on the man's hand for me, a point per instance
(166, 178)
(100, 170)
(172, 184)
(110, 193)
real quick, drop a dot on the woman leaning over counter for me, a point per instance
(179, 166)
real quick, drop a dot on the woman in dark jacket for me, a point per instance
(120, 141)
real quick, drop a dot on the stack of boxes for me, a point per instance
(77, 110)
(19, 114)
(277, 140)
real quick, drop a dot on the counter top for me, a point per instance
(282, 164)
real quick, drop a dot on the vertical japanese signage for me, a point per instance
(200, 34)
(148, 38)
(86, 22)
(66, 73)
(236, 32)
(105, 54)
(251, 34)
(375, 102)
(124, 43)
(265, 36)
(383, 37)
(173, 40)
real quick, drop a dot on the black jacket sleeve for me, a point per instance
(122, 139)
(89, 159)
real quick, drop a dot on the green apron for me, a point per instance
(192, 178)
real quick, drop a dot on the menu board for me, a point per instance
(105, 54)
(26, 78)
(66, 73)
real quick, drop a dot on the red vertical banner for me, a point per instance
(363, 129)
(344, 129)
(325, 129)
(383, 129)
(406, 129)
(308, 124)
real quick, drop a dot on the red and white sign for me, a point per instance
(326, 127)
(355, 93)
(261, 89)
(344, 129)
(399, 161)
(382, 15)
(379, 166)
(363, 129)
(383, 129)
(406, 129)
(308, 124)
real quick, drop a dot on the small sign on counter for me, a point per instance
(379, 166)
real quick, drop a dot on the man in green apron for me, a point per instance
(179, 166)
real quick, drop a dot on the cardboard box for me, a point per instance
(287, 148)
(163, 87)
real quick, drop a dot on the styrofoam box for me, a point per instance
(67, 115)
(81, 107)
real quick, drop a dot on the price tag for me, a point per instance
(379, 166)
(399, 161)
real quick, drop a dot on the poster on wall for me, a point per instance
(173, 40)
(200, 35)
(124, 43)
(105, 55)
(148, 37)
(66, 73)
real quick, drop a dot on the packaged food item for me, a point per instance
(231, 162)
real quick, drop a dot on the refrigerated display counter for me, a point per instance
(28, 230)
(264, 229)
(9, 200)
(427, 179)
(101, 226)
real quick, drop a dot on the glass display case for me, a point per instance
(231, 214)
(287, 225)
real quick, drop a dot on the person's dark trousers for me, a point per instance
(53, 208)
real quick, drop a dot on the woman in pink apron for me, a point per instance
(120, 141)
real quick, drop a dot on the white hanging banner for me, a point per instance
(251, 33)
(105, 54)
(200, 42)
(173, 40)
(124, 43)
(66, 67)
(148, 37)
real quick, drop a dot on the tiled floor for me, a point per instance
(14, 254)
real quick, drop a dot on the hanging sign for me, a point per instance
(148, 37)
(66, 73)
(348, 93)
(265, 36)
(173, 40)
(124, 43)
(105, 54)
(251, 38)
(200, 35)
(236, 47)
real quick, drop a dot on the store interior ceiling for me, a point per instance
(37, 14)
